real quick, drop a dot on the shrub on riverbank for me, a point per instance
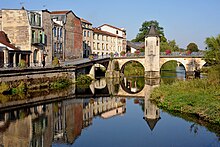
(83, 80)
(59, 84)
(200, 97)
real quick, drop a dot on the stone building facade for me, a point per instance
(105, 43)
(103, 40)
(25, 30)
(67, 35)
(87, 37)
(120, 32)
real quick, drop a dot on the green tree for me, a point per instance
(192, 47)
(169, 45)
(212, 55)
(145, 28)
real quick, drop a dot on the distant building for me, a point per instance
(67, 35)
(87, 37)
(119, 32)
(102, 40)
(134, 46)
(105, 43)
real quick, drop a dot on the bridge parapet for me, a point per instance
(164, 54)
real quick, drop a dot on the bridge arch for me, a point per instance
(189, 63)
(124, 65)
(178, 61)
(95, 67)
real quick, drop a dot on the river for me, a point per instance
(109, 113)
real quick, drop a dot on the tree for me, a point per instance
(192, 47)
(145, 28)
(169, 45)
(212, 55)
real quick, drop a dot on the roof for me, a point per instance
(136, 45)
(111, 27)
(60, 12)
(152, 32)
(85, 21)
(63, 12)
(4, 40)
(97, 30)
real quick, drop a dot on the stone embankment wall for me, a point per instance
(33, 79)
(37, 73)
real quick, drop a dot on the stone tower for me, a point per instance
(152, 53)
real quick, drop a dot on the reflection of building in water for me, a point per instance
(25, 127)
(151, 111)
(67, 121)
(131, 84)
(60, 122)
(105, 106)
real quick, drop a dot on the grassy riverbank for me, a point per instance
(200, 97)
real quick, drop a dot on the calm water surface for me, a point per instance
(107, 114)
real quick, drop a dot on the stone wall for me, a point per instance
(69, 52)
(44, 75)
(78, 38)
(47, 26)
(0, 20)
(15, 24)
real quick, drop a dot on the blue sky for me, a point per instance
(183, 20)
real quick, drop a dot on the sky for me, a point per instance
(184, 21)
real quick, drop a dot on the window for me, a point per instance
(98, 46)
(61, 47)
(55, 31)
(84, 34)
(88, 34)
(98, 36)
(103, 46)
(55, 47)
(84, 45)
(107, 47)
(94, 36)
(94, 45)
(33, 35)
(58, 32)
(32, 19)
(116, 31)
(61, 32)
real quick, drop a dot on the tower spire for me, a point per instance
(152, 32)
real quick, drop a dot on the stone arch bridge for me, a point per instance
(190, 62)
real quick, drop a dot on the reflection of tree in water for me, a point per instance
(197, 122)
(194, 128)
(168, 77)
(116, 88)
